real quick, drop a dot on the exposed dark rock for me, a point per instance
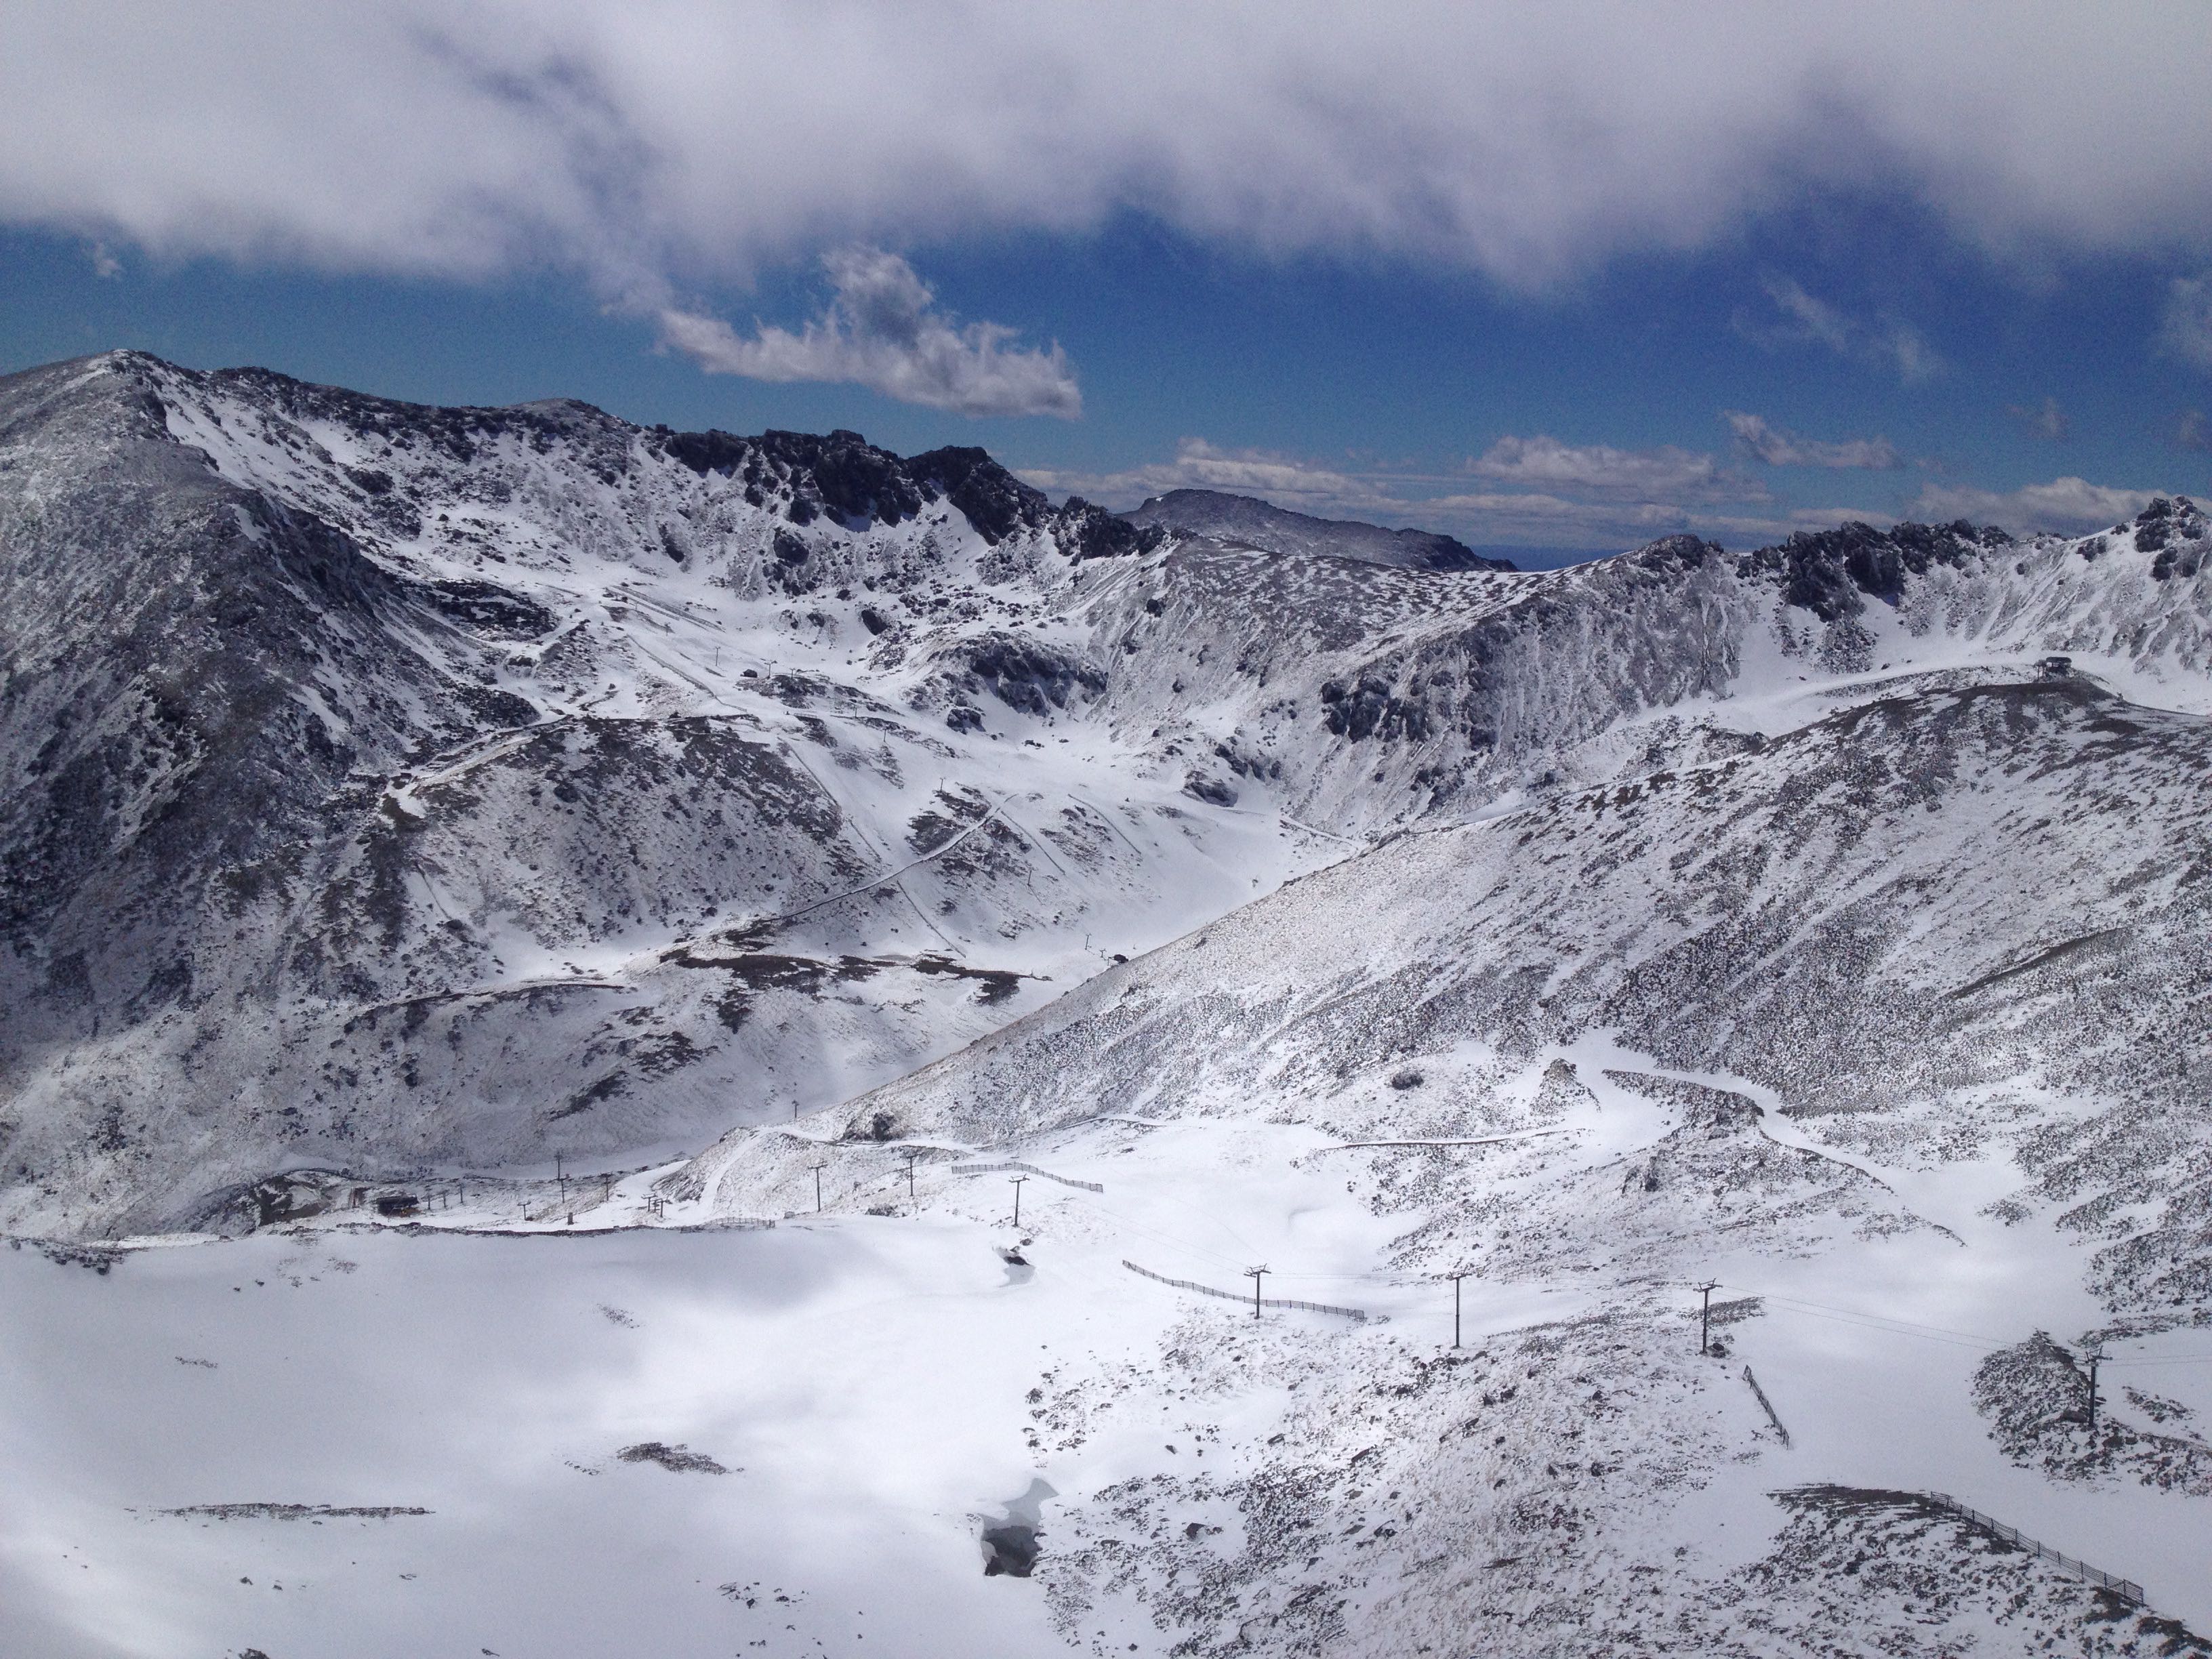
(1204, 785)
(1026, 674)
(676, 1460)
(1832, 573)
(1370, 708)
(2177, 533)
(993, 500)
(1087, 532)
(492, 610)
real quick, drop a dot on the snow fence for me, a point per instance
(2126, 1588)
(1028, 1168)
(1265, 1302)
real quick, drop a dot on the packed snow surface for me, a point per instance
(345, 1440)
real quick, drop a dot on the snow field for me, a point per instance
(883, 1388)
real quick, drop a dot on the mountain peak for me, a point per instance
(1278, 529)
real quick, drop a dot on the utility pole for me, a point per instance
(1705, 1313)
(1015, 1181)
(911, 1158)
(2096, 1358)
(1455, 1278)
(560, 1177)
(1255, 1274)
(818, 1168)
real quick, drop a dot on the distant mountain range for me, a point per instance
(1242, 519)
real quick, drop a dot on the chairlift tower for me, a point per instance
(1255, 1274)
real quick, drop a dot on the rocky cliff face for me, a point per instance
(389, 787)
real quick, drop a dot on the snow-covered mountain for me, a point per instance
(1222, 517)
(391, 786)
(1875, 999)
(396, 795)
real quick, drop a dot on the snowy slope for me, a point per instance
(1890, 1024)
(399, 797)
(331, 1441)
(397, 787)
(436, 804)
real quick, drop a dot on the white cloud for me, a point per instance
(1807, 320)
(2045, 420)
(1902, 343)
(1540, 519)
(1578, 512)
(883, 329)
(2187, 330)
(2193, 431)
(1546, 463)
(1756, 437)
(2068, 505)
(664, 143)
(1300, 485)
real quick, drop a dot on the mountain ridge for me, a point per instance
(1224, 516)
(320, 706)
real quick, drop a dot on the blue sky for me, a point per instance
(1781, 293)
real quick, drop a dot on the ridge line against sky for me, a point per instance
(1567, 280)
